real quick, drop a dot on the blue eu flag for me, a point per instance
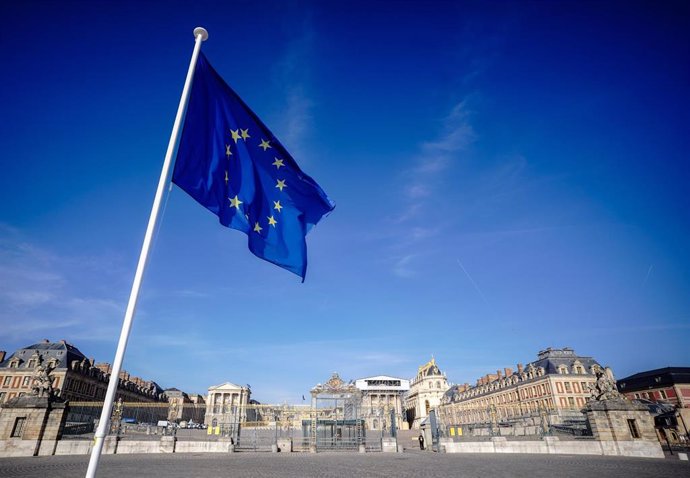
(231, 163)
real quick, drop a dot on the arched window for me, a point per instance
(438, 384)
(427, 406)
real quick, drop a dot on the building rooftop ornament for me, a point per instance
(429, 368)
(335, 384)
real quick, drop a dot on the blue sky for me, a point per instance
(508, 176)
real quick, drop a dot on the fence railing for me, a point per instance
(249, 427)
(561, 422)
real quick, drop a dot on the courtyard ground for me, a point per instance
(301, 465)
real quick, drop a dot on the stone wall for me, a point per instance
(552, 445)
(43, 421)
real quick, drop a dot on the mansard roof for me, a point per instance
(62, 352)
(549, 361)
(552, 359)
(659, 377)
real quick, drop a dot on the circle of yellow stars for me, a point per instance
(235, 202)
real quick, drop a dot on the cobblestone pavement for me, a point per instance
(326, 465)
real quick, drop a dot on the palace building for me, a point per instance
(555, 384)
(382, 396)
(426, 391)
(227, 404)
(75, 377)
(668, 389)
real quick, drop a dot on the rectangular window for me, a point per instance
(585, 387)
(663, 395)
(6, 383)
(18, 427)
(2, 396)
(25, 382)
(568, 389)
(571, 402)
(633, 428)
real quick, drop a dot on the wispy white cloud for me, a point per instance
(292, 73)
(421, 181)
(45, 293)
(402, 266)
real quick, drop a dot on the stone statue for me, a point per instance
(42, 384)
(172, 411)
(605, 386)
(116, 417)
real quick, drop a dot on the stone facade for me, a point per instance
(31, 426)
(558, 383)
(74, 377)
(623, 428)
(227, 404)
(382, 395)
(182, 408)
(426, 390)
(666, 391)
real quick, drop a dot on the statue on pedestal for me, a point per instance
(605, 386)
(42, 384)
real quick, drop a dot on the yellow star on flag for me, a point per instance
(235, 134)
(228, 153)
(277, 206)
(235, 202)
(257, 228)
(281, 184)
(272, 221)
(264, 144)
(245, 134)
(277, 163)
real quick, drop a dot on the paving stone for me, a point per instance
(337, 465)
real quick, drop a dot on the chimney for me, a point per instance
(498, 373)
(519, 367)
(508, 371)
(2, 355)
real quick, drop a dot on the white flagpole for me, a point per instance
(200, 35)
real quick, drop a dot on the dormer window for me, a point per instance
(563, 370)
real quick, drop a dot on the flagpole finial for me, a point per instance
(201, 31)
